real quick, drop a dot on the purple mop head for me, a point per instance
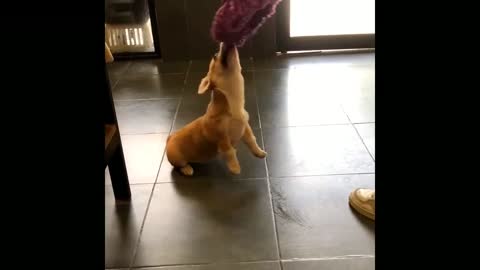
(238, 20)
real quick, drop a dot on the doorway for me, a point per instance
(325, 24)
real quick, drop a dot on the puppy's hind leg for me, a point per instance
(184, 168)
(187, 170)
(178, 162)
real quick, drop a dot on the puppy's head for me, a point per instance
(224, 72)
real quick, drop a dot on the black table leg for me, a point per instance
(119, 176)
(114, 152)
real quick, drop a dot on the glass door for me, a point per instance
(326, 24)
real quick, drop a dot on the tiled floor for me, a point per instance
(315, 116)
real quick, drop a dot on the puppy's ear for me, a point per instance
(205, 85)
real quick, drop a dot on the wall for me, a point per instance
(184, 31)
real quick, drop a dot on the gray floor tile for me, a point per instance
(314, 219)
(145, 116)
(319, 150)
(122, 225)
(208, 221)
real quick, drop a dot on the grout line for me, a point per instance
(143, 76)
(264, 178)
(279, 254)
(114, 85)
(312, 126)
(321, 175)
(302, 126)
(134, 184)
(147, 133)
(220, 179)
(341, 257)
(283, 177)
(296, 66)
(204, 264)
(134, 256)
(146, 99)
(362, 123)
(280, 261)
(292, 66)
(363, 142)
(119, 76)
(358, 134)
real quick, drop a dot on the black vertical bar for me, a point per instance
(109, 116)
(283, 25)
(116, 164)
(118, 175)
(154, 24)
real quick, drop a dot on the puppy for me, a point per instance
(223, 125)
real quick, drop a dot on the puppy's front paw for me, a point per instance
(260, 153)
(234, 168)
(187, 170)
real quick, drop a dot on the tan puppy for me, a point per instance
(223, 125)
